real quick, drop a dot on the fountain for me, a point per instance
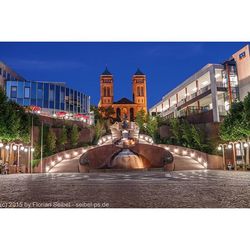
(125, 151)
(126, 159)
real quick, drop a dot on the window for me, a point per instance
(138, 91)
(242, 55)
(108, 90)
(0, 71)
(4, 74)
(13, 92)
(51, 94)
(142, 91)
(105, 91)
(27, 92)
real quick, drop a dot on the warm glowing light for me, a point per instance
(1, 144)
(59, 158)
(22, 148)
(75, 153)
(205, 164)
(47, 168)
(238, 145)
(15, 147)
(229, 146)
(109, 137)
(245, 145)
(167, 148)
(7, 147)
(83, 151)
(176, 150)
(52, 163)
(141, 136)
(199, 159)
(219, 148)
(66, 156)
(54, 115)
(192, 154)
(184, 152)
(32, 149)
(25, 150)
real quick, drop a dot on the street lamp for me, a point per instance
(221, 147)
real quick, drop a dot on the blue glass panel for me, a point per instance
(26, 102)
(33, 90)
(40, 103)
(57, 97)
(20, 89)
(62, 106)
(20, 101)
(33, 102)
(46, 95)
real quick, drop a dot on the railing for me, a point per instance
(146, 138)
(206, 160)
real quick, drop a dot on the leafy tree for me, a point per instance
(63, 139)
(14, 121)
(175, 128)
(50, 142)
(187, 134)
(141, 120)
(74, 135)
(232, 125)
(99, 131)
(152, 127)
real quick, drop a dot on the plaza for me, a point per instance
(180, 189)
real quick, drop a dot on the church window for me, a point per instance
(105, 91)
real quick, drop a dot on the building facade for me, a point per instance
(48, 98)
(206, 95)
(124, 108)
(7, 74)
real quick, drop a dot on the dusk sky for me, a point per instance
(80, 64)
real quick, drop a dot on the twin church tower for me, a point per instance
(124, 108)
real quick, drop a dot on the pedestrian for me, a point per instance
(6, 168)
(229, 165)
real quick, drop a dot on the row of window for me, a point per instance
(47, 95)
(7, 75)
(106, 91)
(140, 91)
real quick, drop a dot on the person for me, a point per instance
(229, 165)
(6, 168)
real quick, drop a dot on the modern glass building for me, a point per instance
(51, 97)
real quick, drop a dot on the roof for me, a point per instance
(106, 72)
(139, 73)
(124, 101)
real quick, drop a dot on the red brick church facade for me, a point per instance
(124, 108)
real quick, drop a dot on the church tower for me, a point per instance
(140, 91)
(106, 87)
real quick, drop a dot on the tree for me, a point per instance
(141, 120)
(187, 134)
(99, 131)
(63, 139)
(175, 128)
(50, 142)
(14, 121)
(231, 128)
(152, 126)
(74, 135)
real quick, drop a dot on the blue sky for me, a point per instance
(80, 64)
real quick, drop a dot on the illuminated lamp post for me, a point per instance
(221, 147)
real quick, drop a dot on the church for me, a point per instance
(124, 108)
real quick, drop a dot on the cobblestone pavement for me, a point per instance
(199, 188)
